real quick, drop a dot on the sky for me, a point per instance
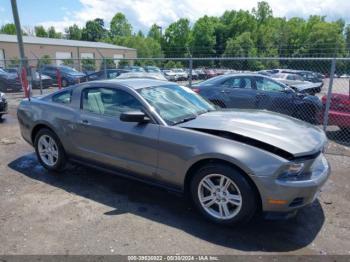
(143, 13)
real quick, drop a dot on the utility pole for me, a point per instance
(23, 60)
(18, 30)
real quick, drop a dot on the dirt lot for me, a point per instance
(85, 211)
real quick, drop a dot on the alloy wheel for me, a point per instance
(219, 196)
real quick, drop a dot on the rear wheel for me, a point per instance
(223, 195)
(49, 150)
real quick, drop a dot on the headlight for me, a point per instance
(3, 96)
(293, 171)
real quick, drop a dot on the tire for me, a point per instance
(59, 160)
(241, 212)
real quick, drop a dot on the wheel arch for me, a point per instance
(37, 128)
(198, 164)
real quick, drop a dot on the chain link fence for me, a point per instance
(315, 90)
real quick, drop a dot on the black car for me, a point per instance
(111, 73)
(9, 82)
(69, 75)
(254, 91)
(3, 104)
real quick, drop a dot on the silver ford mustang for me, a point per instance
(231, 163)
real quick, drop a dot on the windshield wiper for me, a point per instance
(185, 120)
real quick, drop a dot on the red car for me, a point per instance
(339, 111)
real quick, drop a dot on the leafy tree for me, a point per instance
(51, 32)
(94, 30)
(68, 62)
(241, 46)
(45, 60)
(263, 12)
(73, 32)
(40, 31)
(203, 37)
(120, 26)
(88, 64)
(9, 29)
(155, 32)
(177, 38)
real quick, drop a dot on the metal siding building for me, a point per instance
(60, 49)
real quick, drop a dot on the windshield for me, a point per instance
(175, 104)
(68, 69)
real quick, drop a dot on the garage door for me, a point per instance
(87, 55)
(116, 60)
(60, 56)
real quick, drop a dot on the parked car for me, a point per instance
(230, 163)
(3, 104)
(339, 111)
(9, 82)
(111, 73)
(181, 74)
(195, 75)
(157, 76)
(152, 69)
(297, 82)
(170, 75)
(45, 80)
(306, 75)
(201, 74)
(254, 91)
(69, 75)
(135, 68)
(209, 73)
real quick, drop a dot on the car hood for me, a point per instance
(285, 133)
(306, 85)
(77, 74)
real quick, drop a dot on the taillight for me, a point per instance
(197, 90)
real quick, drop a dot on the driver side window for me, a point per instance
(108, 101)
(265, 84)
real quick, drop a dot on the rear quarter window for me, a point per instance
(64, 97)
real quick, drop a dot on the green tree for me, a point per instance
(263, 12)
(203, 38)
(40, 31)
(45, 60)
(176, 39)
(9, 29)
(155, 33)
(94, 30)
(120, 26)
(68, 62)
(51, 32)
(73, 32)
(88, 64)
(242, 46)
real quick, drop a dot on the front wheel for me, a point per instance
(223, 195)
(49, 150)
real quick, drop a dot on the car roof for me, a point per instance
(136, 83)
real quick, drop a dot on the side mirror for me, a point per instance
(134, 116)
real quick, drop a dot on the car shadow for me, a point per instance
(128, 196)
(340, 137)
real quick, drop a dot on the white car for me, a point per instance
(170, 75)
(298, 83)
(181, 74)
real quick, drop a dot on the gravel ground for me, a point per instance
(84, 211)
